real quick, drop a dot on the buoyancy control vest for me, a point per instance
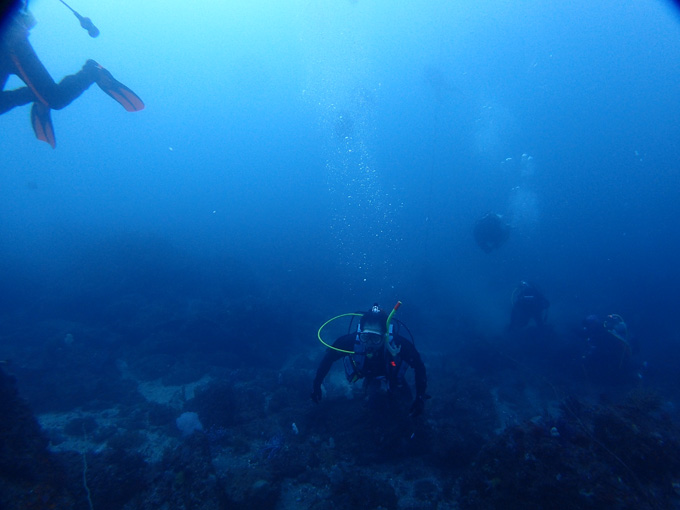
(395, 369)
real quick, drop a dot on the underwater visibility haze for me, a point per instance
(165, 272)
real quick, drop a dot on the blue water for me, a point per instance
(355, 143)
(305, 158)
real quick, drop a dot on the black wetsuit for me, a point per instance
(18, 57)
(529, 304)
(379, 364)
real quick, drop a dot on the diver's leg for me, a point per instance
(72, 86)
(56, 96)
(12, 98)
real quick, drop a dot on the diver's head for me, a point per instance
(373, 326)
(615, 324)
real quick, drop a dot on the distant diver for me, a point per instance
(608, 356)
(18, 57)
(491, 232)
(375, 352)
(528, 303)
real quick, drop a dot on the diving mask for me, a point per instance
(371, 338)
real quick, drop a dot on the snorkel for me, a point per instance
(389, 317)
(390, 347)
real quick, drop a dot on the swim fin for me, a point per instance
(42, 123)
(130, 101)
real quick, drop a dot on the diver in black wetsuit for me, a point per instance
(374, 354)
(527, 303)
(18, 57)
(491, 232)
(608, 355)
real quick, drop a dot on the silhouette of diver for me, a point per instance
(18, 57)
(491, 232)
(608, 356)
(527, 303)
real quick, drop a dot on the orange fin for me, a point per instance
(130, 101)
(41, 121)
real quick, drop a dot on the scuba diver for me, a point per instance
(608, 353)
(527, 303)
(491, 232)
(376, 352)
(18, 57)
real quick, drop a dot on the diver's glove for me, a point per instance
(418, 406)
(316, 393)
